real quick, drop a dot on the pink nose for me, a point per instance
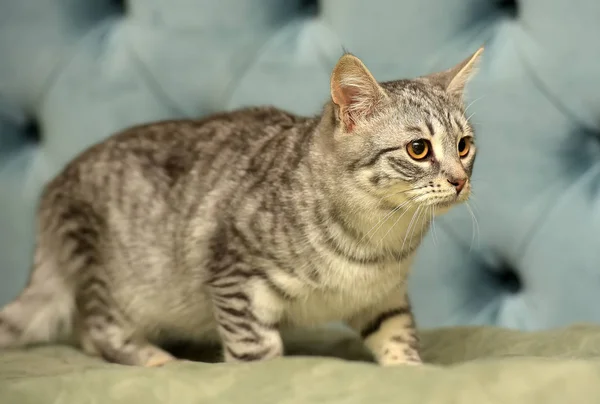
(459, 183)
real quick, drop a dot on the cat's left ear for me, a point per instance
(456, 78)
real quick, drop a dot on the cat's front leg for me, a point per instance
(388, 331)
(247, 313)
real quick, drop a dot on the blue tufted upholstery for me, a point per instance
(74, 71)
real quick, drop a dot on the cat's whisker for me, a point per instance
(421, 214)
(433, 235)
(382, 221)
(399, 217)
(387, 218)
(405, 191)
(410, 226)
(473, 102)
(475, 227)
(473, 201)
(424, 223)
(394, 225)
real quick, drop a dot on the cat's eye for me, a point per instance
(464, 145)
(418, 149)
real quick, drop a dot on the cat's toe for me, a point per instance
(159, 359)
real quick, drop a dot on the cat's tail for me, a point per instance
(42, 313)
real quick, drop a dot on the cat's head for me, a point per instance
(406, 140)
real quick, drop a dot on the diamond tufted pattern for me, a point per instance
(72, 72)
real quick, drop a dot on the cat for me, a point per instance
(244, 223)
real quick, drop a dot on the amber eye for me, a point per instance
(464, 145)
(418, 149)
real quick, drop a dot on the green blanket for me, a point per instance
(465, 365)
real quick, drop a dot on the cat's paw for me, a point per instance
(395, 361)
(158, 359)
(393, 357)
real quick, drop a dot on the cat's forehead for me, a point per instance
(420, 97)
(415, 103)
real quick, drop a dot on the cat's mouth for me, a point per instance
(447, 201)
(440, 201)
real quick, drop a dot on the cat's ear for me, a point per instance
(354, 91)
(456, 78)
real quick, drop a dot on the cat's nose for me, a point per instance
(458, 183)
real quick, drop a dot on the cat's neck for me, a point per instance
(383, 226)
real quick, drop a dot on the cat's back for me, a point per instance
(162, 154)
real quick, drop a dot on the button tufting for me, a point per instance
(118, 5)
(310, 6)
(32, 132)
(508, 279)
(309, 3)
(509, 7)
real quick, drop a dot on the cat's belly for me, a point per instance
(319, 309)
(168, 313)
(179, 308)
(348, 296)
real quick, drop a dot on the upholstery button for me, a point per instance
(32, 132)
(119, 5)
(309, 3)
(509, 7)
(508, 280)
(311, 7)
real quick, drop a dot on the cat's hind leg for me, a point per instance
(101, 327)
(103, 330)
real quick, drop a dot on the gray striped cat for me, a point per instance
(244, 223)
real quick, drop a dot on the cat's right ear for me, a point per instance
(354, 91)
(455, 79)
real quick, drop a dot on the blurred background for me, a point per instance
(72, 72)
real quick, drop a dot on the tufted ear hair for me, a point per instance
(354, 91)
(455, 79)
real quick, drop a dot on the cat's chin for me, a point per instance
(443, 207)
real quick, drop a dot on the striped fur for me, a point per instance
(246, 222)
